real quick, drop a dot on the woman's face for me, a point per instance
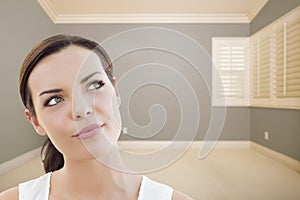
(76, 105)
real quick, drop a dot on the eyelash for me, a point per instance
(46, 104)
(100, 82)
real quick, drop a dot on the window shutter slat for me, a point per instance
(287, 60)
(262, 72)
(293, 56)
(230, 58)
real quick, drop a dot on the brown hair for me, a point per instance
(52, 158)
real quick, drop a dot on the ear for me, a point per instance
(34, 122)
(116, 89)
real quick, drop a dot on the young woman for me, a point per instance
(68, 89)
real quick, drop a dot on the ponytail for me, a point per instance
(52, 158)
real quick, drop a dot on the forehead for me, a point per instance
(71, 59)
(66, 66)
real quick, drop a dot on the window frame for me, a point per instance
(229, 101)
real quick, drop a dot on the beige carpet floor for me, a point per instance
(225, 174)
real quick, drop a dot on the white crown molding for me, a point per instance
(49, 9)
(139, 18)
(255, 11)
(150, 18)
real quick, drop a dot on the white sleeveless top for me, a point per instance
(38, 189)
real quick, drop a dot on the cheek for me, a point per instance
(59, 129)
(106, 104)
(103, 100)
(116, 111)
(54, 121)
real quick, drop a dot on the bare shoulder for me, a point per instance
(180, 196)
(10, 194)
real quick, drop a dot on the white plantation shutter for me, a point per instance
(254, 67)
(287, 61)
(279, 60)
(275, 63)
(230, 71)
(261, 68)
(265, 66)
(274, 66)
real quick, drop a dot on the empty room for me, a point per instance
(139, 99)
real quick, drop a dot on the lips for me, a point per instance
(89, 131)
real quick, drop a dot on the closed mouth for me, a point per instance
(88, 130)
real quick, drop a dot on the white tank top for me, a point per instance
(38, 189)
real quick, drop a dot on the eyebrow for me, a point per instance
(89, 76)
(50, 91)
(81, 82)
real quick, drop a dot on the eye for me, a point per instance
(95, 85)
(54, 100)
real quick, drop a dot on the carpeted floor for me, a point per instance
(225, 174)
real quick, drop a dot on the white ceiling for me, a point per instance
(152, 11)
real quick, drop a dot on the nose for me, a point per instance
(82, 107)
(81, 115)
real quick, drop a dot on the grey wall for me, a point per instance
(283, 127)
(282, 124)
(24, 23)
(272, 11)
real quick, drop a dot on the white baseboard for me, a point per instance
(16, 162)
(292, 163)
(177, 144)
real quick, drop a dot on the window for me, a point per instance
(230, 71)
(287, 61)
(275, 63)
(273, 77)
(261, 68)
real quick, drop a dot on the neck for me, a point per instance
(106, 175)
